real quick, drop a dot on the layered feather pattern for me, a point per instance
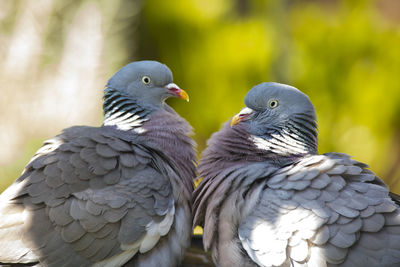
(106, 196)
(268, 199)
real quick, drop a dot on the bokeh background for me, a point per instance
(56, 57)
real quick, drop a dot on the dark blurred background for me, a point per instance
(56, 57)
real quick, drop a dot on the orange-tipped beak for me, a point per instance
(182, 94)
(175, 90)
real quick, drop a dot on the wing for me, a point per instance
(324, 210)
(88, 196)
(395, 198)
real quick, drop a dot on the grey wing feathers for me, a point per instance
(86, 196)
(395, 198)
(326, 210)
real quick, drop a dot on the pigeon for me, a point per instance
(115, 195)
(267, 198)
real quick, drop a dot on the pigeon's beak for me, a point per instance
(243, 114)
(235, 120)
(176, 91)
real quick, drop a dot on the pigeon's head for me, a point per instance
(146, 82)
(279, 111)
(137, 90)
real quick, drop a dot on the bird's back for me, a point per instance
(324, 210)
(94, 195)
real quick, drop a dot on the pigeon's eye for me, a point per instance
(146, 79)
(273, 103)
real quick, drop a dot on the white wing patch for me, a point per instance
(117, 260)
(154, 231)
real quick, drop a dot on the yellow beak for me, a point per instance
(235, 120)
(183, 95)
(242, 115)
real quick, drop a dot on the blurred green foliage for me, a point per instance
(344, 54)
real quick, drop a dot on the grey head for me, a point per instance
(136, 90)
(148, 82)
(283, 113)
